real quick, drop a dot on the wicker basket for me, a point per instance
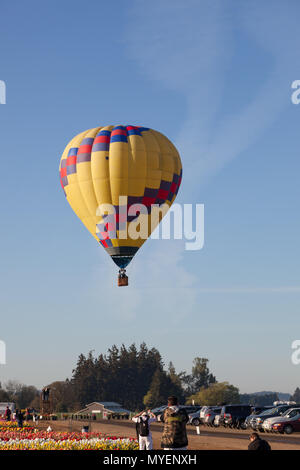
(123, 280)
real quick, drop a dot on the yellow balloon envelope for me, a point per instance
(113, 177)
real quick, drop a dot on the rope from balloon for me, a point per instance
(122, 278)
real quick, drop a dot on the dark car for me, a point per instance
(234, 416)
(257, 421)
(256, 410)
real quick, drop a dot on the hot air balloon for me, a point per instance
(107, 173)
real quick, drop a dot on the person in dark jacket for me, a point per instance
(175, 419)
(256, 443)
(45, 393)
(20, 418)
(7, 413)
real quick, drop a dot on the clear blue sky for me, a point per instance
(215, 77)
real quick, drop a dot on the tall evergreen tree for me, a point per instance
(160, 389)
(296, 395)
(201, 377)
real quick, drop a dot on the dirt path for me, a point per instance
(209, 439)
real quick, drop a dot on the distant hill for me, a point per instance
(281, 396)
(264, 398)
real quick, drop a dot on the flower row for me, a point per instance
(13, 425)
(54, 435)
(69, 444)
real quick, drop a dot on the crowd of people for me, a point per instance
(15, 416)
(19, 416)
(174, 435)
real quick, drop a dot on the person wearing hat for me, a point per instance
(143, 421)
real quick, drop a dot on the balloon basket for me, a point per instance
(122, 278)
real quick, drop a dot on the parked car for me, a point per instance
(212, 412)
(203, 411)
(191, 408)
(194, 419)
(256, 422)
(289, 425)
(290, 415)
(256, 410)
(234, 416)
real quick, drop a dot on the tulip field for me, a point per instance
(13, 425)
(28, 438)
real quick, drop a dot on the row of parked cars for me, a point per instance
(281, 417)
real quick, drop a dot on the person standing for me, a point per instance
(175, 420)
(27, 414)
(45, 394)
(20, 418)
(7, 413)
(256, 443)
(143, 421)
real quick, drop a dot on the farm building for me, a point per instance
(105, 409)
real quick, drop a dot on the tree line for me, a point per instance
(22, 395)
(135, 377)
